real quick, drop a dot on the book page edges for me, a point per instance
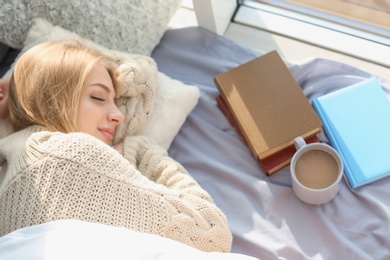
(273, 150)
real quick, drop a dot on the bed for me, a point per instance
(267, 220)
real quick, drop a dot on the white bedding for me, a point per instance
(75, 239)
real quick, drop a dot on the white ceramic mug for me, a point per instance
(316, 172)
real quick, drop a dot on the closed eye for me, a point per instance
(97, 98)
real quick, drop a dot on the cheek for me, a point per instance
(87, 118)
(83, 122)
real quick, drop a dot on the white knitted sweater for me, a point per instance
(49, 176)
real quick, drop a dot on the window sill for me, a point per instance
(372, 51)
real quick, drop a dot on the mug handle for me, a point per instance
(299, 142)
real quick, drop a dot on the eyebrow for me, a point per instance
(102, 86)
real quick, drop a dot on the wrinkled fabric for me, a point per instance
(267, 220)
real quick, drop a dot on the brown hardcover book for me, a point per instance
(267, 104)
(274, 162)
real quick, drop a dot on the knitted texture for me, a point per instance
(134, 26)
(53, 176)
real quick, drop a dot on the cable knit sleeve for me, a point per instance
(153, 162)
(188, 197)
(75, 176)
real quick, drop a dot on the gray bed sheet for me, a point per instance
(267, 220)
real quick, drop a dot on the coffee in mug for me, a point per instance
(316, 172)
(316, 169)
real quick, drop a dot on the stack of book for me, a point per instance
(356, 121)
(268, 109)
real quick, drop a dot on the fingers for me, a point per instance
(4, 84)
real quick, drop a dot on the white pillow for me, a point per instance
(174, 101)
(134, 26)
(161, 104)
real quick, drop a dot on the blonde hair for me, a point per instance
(48, 82)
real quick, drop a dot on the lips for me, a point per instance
(108, 133)
(1, 94)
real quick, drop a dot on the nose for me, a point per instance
(116, 115)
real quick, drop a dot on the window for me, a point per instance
(317, 23)
(362, 18)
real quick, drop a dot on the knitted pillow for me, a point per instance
(154, 104)
(134, 26)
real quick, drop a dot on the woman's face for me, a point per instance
(98, 115)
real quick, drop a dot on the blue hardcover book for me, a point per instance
(356, 120)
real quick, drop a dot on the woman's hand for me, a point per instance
(4, 84)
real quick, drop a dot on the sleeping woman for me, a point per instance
(58, 164)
